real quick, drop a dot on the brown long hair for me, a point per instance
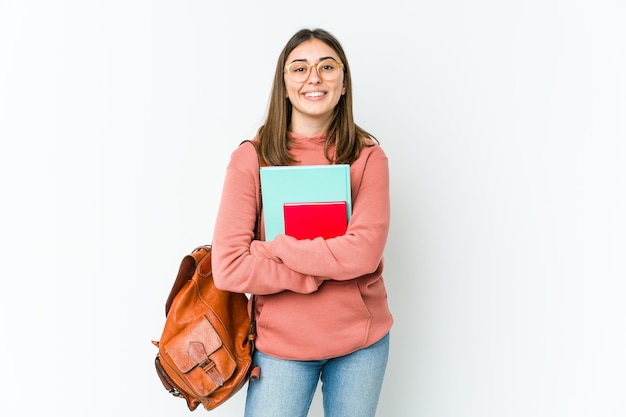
(273, 135)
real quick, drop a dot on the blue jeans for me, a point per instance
(351, 384)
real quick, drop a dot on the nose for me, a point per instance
(314, 76)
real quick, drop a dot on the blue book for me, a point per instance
(282, 185)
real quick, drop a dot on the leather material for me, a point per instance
(205, 350)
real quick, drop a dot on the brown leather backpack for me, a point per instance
(205, 350)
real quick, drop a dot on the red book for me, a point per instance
(311, 220)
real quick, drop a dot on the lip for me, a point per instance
(314, 95)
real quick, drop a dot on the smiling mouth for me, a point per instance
(314, 94)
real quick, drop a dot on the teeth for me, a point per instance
(314, 94)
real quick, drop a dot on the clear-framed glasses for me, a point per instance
(328, 70)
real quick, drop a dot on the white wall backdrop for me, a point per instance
(505, 125)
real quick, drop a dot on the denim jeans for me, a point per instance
(351, 384)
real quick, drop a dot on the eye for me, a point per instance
(295, 68)
(328, 67)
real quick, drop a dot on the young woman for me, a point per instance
(321, 305)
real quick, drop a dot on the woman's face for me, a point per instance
(313, 99)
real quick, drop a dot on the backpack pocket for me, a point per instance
(202, 359)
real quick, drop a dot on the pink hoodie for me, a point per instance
(317, 298)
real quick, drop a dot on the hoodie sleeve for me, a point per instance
(360, 250)
(240, 263)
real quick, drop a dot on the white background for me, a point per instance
(505, 127)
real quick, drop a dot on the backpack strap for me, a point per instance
(257, 230)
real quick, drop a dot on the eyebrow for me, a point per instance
(320, 60)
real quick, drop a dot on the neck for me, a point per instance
(309, 127)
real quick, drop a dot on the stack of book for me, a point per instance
(306, 201)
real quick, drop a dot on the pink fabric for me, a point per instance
(316, 298)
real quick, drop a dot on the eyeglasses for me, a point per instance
(328, 70)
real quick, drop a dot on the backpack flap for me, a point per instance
(200, 356)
